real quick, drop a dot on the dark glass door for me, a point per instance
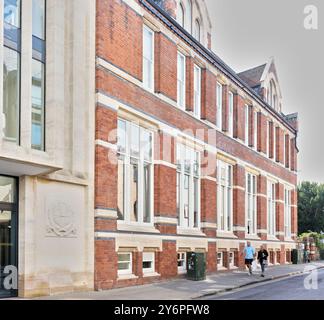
(8, 237)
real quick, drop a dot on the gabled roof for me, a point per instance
(252, 77)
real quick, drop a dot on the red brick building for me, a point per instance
(190, 156)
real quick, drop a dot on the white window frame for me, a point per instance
(181, 83)
(256, 129)
(231, 114)
(219, 106)
(182, 258)
(141, 163)
(183, 154)
(288, 212)
(146, 84)
(220, 257)
(251, 203)
(271, 208)
(129, 271)
(197, 91)
(225, 183)
(247, 125)
(148, 257)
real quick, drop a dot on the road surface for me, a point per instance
(292, 288)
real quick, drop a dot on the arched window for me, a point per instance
(189, 16)
(272, 97)
(181, 15)
(197, 30)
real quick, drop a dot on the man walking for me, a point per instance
(249, 253)
(263, 259)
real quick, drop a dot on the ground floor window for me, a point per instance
(278, 258)
(231, 259)
(182, 261)
(272, 257)
(148, 262)
(125, 263)
(220, 259)
(288, 256)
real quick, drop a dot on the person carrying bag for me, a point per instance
(263, 259)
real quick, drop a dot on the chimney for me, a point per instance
(292, 119)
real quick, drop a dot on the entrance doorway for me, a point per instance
(8, 237)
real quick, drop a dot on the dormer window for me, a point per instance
(181, 15)
(197, 31)
(272, 95)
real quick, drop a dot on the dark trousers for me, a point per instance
(262, 265)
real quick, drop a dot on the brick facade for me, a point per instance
(119, 43)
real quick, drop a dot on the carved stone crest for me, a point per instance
(61, 221)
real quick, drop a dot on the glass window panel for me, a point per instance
(146, 145)
(121, 187)
(124, 257)
(121, 136)
(197, 30)
(7, 190)
(196, 202)
(6, 239)
(12, 12)
(39, 19)
(11, 93)
(38, 95)
(181, 15)
(186, 199)
(147, 193)
(135, 141)
(134, 175)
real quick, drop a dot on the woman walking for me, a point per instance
(263, 259)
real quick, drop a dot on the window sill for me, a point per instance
(151, 275)
(190, 232)
(272, 238)
(224, 234)
(126, 277)
(123, 226)
(252, 237)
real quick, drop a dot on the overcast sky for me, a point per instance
(247, 32)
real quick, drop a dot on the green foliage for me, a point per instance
(311, 208)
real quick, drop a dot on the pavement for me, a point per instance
(182, 289)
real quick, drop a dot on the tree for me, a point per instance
(310, 207)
